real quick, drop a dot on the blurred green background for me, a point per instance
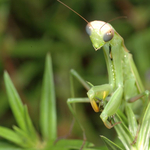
(31, 28)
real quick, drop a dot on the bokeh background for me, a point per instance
(29, 29)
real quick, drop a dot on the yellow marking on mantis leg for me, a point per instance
(105, 94)
(94, 105)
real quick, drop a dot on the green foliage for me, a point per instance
(25, 135)
(48, 105)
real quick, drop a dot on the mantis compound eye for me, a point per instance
(108, 35)
(88, 29)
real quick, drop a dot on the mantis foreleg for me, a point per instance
(97, 94)
(71, 101)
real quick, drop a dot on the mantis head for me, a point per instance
(100, 33)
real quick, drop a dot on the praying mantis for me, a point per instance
(125, 85)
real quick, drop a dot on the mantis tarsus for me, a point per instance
(124, 85)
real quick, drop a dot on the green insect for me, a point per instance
(124, 81)
(124, 85)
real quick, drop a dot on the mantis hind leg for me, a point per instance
(131, 96)
(139, 96)
(145, 96)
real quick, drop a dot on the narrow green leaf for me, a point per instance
(48, 104)
(132, 123)
(31, 130)
(143, 135)
(14, 101)
(124, 134)
(24, 137)
(122, 116)
(10, 135)
(21, 115)
(111, 145)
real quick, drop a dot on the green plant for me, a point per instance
(24, 135)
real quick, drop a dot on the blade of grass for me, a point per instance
(143, 136)
(110, 145)
(48, 104)
(20, 113)
(10, 135)
(124, 134)
(133, 127)
(24, 137)
(31, 130)
(15, 102)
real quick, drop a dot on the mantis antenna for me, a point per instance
(73, 10)
(113, 20)
(85, 19)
